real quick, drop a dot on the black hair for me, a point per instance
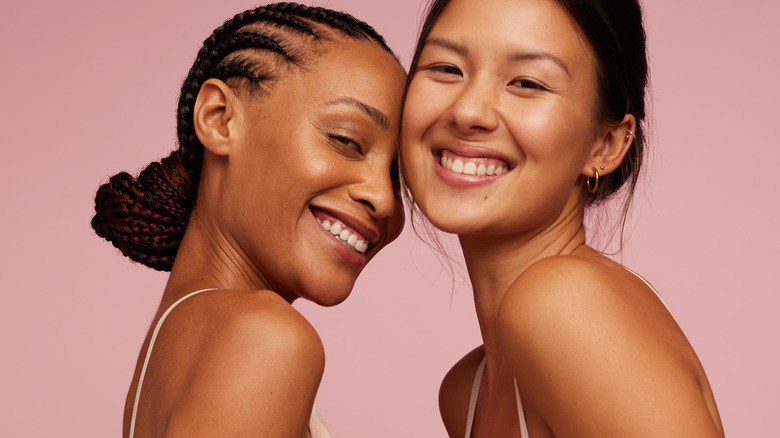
(145, 217)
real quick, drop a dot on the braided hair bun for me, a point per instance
(145, 217)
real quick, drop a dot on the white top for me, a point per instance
(317, 428)
(481, 371)
(473, 403)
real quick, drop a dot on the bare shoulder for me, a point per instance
(256, 367)
(262, 333)
(266, 321)
(585, 338)
(560, 288)
(455, 391)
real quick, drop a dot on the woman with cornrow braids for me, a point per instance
(284, 186)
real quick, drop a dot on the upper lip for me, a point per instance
(471, 151)
(366, 230)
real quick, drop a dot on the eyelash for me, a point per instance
(347, 143)
(521, 83)
(446, 69)
(528, 83)
(352, 145)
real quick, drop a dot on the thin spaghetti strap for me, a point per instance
(650, 286)
(317, 427)
(474, 396)
(149, 354)
(520, 414)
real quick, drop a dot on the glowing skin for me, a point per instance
(499, 130)
(319, 149)
(296, 195)
(498, 125)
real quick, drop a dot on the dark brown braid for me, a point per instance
(145, 217)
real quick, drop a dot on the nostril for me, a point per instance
(368, 204)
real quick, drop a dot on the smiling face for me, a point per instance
(307, 199)
(498, 126)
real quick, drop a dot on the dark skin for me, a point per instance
(240, 360)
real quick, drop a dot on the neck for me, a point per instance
(207, 258)
(495, 262)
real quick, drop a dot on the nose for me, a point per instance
(474, 109)
(377, 191)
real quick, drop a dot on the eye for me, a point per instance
(346, 143)
(530, 84)
(447, 69)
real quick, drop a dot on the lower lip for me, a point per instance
(350, 257)
(461, 179)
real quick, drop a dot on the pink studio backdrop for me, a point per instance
(89, 88)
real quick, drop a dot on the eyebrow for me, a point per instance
(448, 44)
(377, 116)
(514, 57)
(539, 56)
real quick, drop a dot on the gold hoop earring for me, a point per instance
(630, 134)
(595, 186)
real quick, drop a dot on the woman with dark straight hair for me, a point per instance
(284, 186)
(518, 115)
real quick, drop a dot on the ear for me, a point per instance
(611, 146)
(214, 117)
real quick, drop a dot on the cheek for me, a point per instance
(421, 109)
(551, 132)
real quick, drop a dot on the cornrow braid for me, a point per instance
(145, 217)
(213, 57)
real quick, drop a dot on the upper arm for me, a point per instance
(455, 392)
(600, 356)
(256, 374)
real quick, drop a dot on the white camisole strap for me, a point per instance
(316, 425)
(475, 395)
(520, 414)
(650, 286)
(149, 354)
(481, 370)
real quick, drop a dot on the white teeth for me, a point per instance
(457, 166)
(349, 238)
(361, 246)
(467, 167)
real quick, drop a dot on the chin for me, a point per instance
(331, 301)
(450, 222)
(329, 293)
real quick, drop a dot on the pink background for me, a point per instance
(89, 88)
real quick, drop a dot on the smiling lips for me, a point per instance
(350, 238)
(473, 166)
